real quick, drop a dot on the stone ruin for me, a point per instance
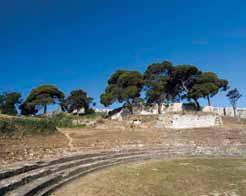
(180, 108)
(226, 111)
(177, 115)
(188, 121)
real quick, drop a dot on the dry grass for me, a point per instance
(181, 177)
(33, 147)
(110, 135)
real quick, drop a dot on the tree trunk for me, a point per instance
(129, 106)
(159, 108)
(45, 108)
(234, 110)
(209, 102)
(197, 104)
(184, 87)
(130, 109)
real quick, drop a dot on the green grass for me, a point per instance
(11, 125)
(25, 125)
(183, 177)
(65, 120)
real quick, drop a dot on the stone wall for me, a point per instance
(227, 111)
(179, 108)
(174, 107)
(187, 121)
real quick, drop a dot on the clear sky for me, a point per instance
(79, 43)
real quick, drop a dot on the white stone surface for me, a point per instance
(136, 122)
(117, 116)
(187, 121)
(81, 111)
(228, 111)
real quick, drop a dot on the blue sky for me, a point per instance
(78, 44)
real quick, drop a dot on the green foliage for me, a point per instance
(184, 77)
(8, 102)
(194, 84)
(165, 83)
(63, 120)
(40, 97)
(233, 96)
(77, 100)
(20, 126)
(157, 79)
(123, 86)
(207, 85)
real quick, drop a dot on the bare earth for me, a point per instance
(110, 135)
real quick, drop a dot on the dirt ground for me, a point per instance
(113, 135)
(31, 147)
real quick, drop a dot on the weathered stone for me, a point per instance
(186, 121)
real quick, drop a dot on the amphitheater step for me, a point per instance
(47, 176)
(41, 183)
(21, 179)
(47, 191)
(22, 168)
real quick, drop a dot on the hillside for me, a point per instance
(101, 134)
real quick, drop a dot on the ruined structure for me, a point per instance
(188, 121)
(227, 111)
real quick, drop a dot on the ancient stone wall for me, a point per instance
(179, 108)
(227, 111)
(187, 121)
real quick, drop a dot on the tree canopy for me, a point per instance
(233, 96)
(8, 102)
(123, 86)
(41, 97)
(183, 78)
(193, 84)
(163, 83)
(77, 100)
(207, 85)
(156, 80)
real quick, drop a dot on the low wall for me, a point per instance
(187, 121)
(227, 111)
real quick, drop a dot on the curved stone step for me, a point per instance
(48, 191)
(18, 180)
(43, 182)
(36, 180)
(20, 168)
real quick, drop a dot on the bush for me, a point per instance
(66, 120)
(94, 115)
(19, 125)
(63, 120)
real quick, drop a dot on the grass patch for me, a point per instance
(25, 126)
(182, 177)
(65, 120)
(10, 125)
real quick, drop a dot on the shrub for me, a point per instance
(63, 120)
(19, 125)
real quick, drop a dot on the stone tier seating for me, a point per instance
(43, 177)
